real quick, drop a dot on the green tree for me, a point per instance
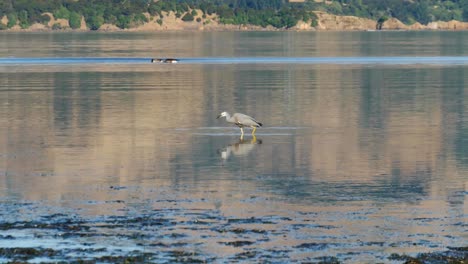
(139, 19)
(465, 12)
(154, 9)
(95, 22)
(12, 20)
(62, 12)
(380, 22)
(187, 17)
(23, 19)
(207, 8)
(421, 13)
(123, 21)
(6, 7)
(75, 20)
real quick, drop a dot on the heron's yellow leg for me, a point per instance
(242, 132)
(253, 131)
(254, 139)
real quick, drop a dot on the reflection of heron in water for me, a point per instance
(240, 148)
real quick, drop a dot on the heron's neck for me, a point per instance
(228, 116)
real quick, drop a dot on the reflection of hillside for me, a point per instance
(22, 146)
(90, 126)
(135, 122)
(346, 144)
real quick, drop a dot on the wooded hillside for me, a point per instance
(276, 13)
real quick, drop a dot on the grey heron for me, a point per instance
(241, 121)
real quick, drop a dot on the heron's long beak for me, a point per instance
(218, 117)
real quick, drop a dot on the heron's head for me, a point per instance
(222, 114)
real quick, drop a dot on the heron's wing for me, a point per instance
(245, 120)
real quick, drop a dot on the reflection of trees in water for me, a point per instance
(386, 137)
(77, 102)
(454, 103)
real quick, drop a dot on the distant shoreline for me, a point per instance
(220, 30)
(325, 22)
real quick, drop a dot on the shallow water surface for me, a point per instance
(355, 162)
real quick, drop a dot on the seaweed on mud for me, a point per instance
(166, 245)
(176, 235)
(140, 258)
(117, 188)
(71, 234)
(373, 243)
(327, 260)
(181, 256)
(52, 216)
(459, 249)
(27, 253)
(240, 243)
(16, 255)
(115, 201)
(251, 220)
(238, 230)
(199, 222)
(66, 226)
(85, 250)
(313, 246)
(326, 226)
(246, 231)
(141, 220)
(455, 255)
(246, 255)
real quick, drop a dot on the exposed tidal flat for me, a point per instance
(125, 161)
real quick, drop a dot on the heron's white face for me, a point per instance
(222, 114)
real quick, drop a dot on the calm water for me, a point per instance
(355, 160)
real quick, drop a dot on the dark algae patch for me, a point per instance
(238, 243)
(313, 246)
(455, 255)
(27, 253)
(141, 258)
(327, 260)
(187, 236)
